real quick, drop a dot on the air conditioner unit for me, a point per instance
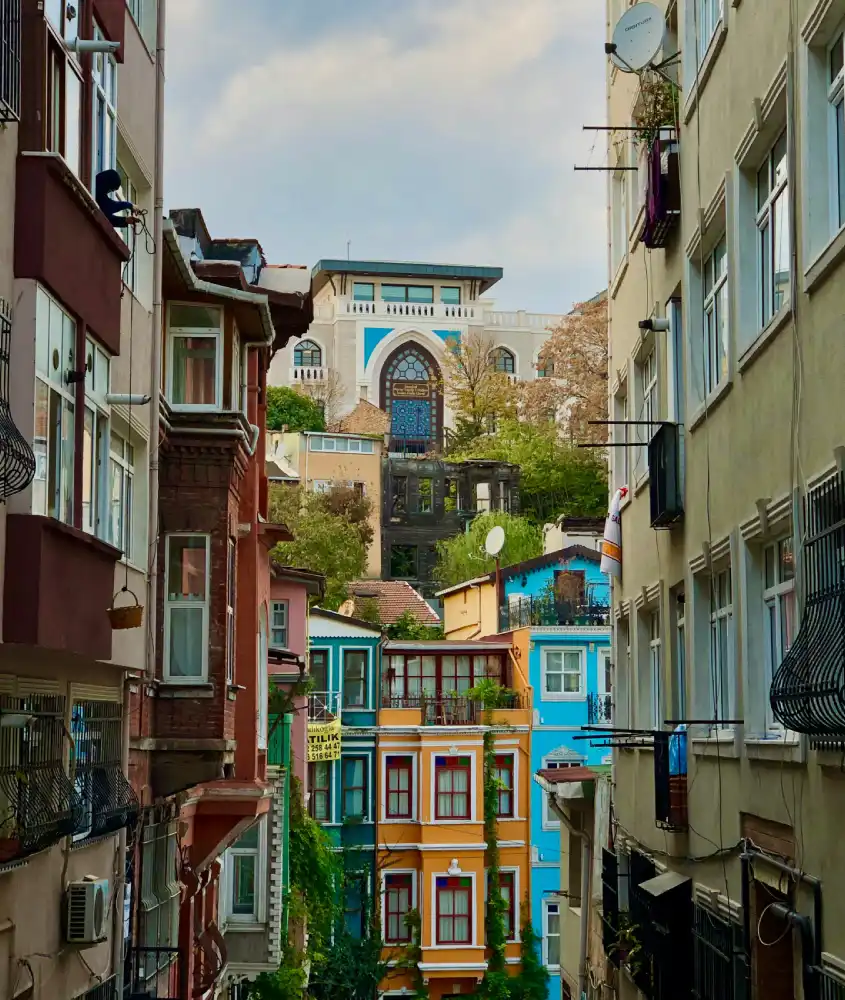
(87, 910)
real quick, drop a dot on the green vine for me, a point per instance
(413, 955)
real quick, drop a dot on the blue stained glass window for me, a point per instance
(411, 418)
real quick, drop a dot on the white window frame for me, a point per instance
(128, 192)
(170, 605)
(681, 654)
(174, 333)
(768, 222)
(414, 790)
(104, 112)
(263, 682)
(97, 521)
(836, 103)
(709, 14)
(473, 910)
(622, 453)
(581, 694)
(550, 821)
(716, 318)
(279, 608)
(510, 870)
(647, 378)
(619, 216)
(548, 905)
(414, 879)
(473, 806)
(259, 913)
(774, 599)
(721, 702)
(124, 462)
(655, 656)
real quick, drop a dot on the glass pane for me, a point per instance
(243, 883)
(192, 316)
(781, 253)
(39, 446)
(786, 560)
(88, 468)
(763, 184)
(53, 10)
(393, 293)
(779, 161)
(554, 682)
(787, 621)
(836, 58)
(420, 293)
(721, 369)
(249, 838)
(102, 364)
(185, 648)
(363, 291)
(59, 362)
(67, 453)
(840, 159)
(450, 296)
(42, 333)
(769, 576)
(186, 568)
(73, 119)
(720, 259)
(765, 273)
(195, 371)
(116, 499)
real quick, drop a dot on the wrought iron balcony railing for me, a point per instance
(540, 611)
(106, 990)
(449, 709)
(10, 60)
(599, 709)
(151, 974)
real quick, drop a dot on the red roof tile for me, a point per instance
(394, 598)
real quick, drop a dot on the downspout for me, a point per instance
(120, 874)
(586, 869)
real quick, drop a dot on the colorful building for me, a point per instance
(430, 829)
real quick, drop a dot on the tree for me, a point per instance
(556, 479)
(351, 505)
(477, 393)
(326, 394)
(324, 542)
(463, 557)
(289, 408)
(532, 983)
(409, 628)
(575, 357)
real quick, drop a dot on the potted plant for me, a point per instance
(627, 948)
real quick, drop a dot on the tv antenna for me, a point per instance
(638, 38)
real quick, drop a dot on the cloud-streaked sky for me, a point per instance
(435, 130)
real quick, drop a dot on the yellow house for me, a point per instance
(471, 609)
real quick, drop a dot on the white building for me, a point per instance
(380, 330)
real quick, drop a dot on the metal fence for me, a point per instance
(10, 60)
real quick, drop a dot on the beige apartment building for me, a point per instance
(726, 303)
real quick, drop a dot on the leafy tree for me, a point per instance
(367, 610)
(532, 983)
(556, 478)
(477, 393)
(407, 627)
(463, 557)
(291, 409)
(323, 542)
(352, 506)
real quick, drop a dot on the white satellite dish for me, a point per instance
(638, 37)
(495, 540)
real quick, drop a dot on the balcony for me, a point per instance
(151, 974)
(64, 585)
(663, 190)
(521, 320)
(10, 61)
(451, 709)
(106, 990)
(308, 374)
(323, 706)
(547, 611)
(413, 310)
(670, 781)
(600, 709)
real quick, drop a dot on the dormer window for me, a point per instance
(195, 352)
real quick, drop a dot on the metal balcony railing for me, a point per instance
(323, 706)
(599, 709)
(449, 709)
(151, 974)
(106, 990)
(10, 60)
(540, 611)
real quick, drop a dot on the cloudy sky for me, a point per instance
(436, 130)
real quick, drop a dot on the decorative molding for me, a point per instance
(815, 20)
(769, 519)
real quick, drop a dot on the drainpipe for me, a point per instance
(586, 869)
(805, 928)
(120, 874)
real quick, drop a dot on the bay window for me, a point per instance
(195, 356)
(243, 862)
(121, 493)
(780, 612)
(104, 153)
(96, 442)
(53, 437)
(398, 896)
(454, 910)
(773, 235)
(186, 605)
(452, 777)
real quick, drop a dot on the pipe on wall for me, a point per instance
(586, 871)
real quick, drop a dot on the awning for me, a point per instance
(661, 884)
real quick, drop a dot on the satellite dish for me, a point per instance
(495, 540)
(638, 37)
(347, 609)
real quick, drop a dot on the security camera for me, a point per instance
(93, 45)
(655, 325)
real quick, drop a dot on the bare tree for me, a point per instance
(327, 394)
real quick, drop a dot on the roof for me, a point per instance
(487, 276)
(565, 775)
(445, 645)
(334, 616)
(273, 470)
(394, 598)
(366, 418)
(315, 582)
(528, 565)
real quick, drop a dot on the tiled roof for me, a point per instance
(366, 418)
(565, 775)
(394, 598)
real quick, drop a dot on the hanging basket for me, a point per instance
(130, 616)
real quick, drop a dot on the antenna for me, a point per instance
(637, 37)
(494, 541)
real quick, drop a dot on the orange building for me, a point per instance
(431, 850)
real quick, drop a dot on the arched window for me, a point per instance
(545, 367)
(502, 360)
(307, 354)
(411, 394)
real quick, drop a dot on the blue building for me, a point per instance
(345, 662)
(563, 600)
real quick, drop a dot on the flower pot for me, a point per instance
(10, 848)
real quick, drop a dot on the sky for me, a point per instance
(443, 131)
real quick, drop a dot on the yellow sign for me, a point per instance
(324, 740)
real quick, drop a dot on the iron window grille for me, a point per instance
(106, 990)
(107, 801)
(599, 708)
(830, 988)
(38, 803)
(10, 60)
(610, 904)
(17, 459)
(720, 966)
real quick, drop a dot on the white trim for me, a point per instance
(203, 605)
(383, 893)
(473, 911)
(546, 903)
(581, 695)
(368, 680)
(413, 791)
(218, 335)
(385, 745)
(473, 817)
(514, 756)
(246, 921)
(517, 909)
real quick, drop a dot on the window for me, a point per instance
(836, 102)
(507, 888)
(53, 438)
(186, 607)
(621, 455)
(780, 612)
(138, 9)
(354, 787)
(160, 892)
(321, 485)
(482, 497)
(307, 354)
(95, 442)
(502, 360)
(551, 934)
(399, 774)
(122, 494)
(619, 215)
(563, 674)
(654, 646)
(422, 294)
(450, 295)
(680, 657)
(403, 562)
(709, 16)
(127, 192)
(230, 610)
(244, 860)
(722, 667)
(320, 787)
(104, 155)
(504, 779)
(398, 896)
(237, 389)
(279, 625)
(363, 291)
(63, 104)
(355, 663)
(318, 667)
(452, 787)
(425, 490)
(95, 729)
(354, 896)
(715, 317)
(454, 910)
(647, 376)
(450, 498)
(773, 237)
(358, 445)
(194, 372)
(545, 367)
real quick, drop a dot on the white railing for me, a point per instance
(307, 373)
(424, 310)
(520, 320)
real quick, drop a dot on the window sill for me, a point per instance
(705, 69)
(722, 746)
(617, 278)
(822, 265)
(713, 400)
(250, 926)
(765, 337)
(782, 747)
(394, 821)
(185, 689)
(563, 697)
